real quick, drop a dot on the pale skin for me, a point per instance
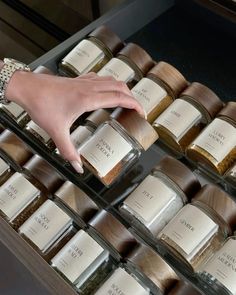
(54, 103)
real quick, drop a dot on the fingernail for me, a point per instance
(77, 166)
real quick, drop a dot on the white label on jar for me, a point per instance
(84, 56)
(3, 167)
(118, 70)
(39, 131)
(105, 149)
(149, 94)
(121, 283)
(16, 194)
(218, 139)
(77, 255)
(79, 135)
(190, 229)
(179, 118)
(46, 225)
(150, 198)
(222, 265)
(14, 109)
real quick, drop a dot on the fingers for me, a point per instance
(94, 76)
(112, 99)
(67, 149)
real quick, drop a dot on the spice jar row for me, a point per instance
(179, 111)
(39, 223)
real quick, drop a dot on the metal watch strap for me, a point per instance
(8, 69)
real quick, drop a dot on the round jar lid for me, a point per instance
(136, 126)
(219, 201)
(180, 174)
(229, 111)
(150, 264)
(138, 56)
(44, 173)
(183, 288)
(108, 38)
(113, 232)
(14, 147)
(170, 77)
(77, 200)
(98, 117)
(205, 97)
(43, 70)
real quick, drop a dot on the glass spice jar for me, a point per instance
(145, 264)
(95, 119)
(183, 288)
(77, 201)
(160, 196)
(82, 262)
(215, 147)
(122, 281)
(92, 53)
(14, 148)
(158, 89)
(90, 256)
(200, 228)
(24, 192)
(184, 119)
(116, 145)
(48, 229)
(17, 197)
(129, 66)
(220, 270)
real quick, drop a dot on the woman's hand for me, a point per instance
(54, 103)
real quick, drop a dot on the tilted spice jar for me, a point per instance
(145, 264)
(90, 256)
(24, 192)
(215, 147)
(158, 89)
(129, 66)
(200, 228)
(92, 53)
(14, 148)
(76, 200)
(160, 196)
(220, 270)
(95, 119)
(184, 119)
(48, 229)
(116, 145)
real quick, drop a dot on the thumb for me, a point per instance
(67, 150)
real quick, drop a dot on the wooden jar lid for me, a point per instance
(180, 174)
(139, 57)
(150, 264)
(108, 38)
(98, 117)
(77, 200)
(44, 173)
(229, 111)
(219, 201)
(14, 147)
(136, 126)
(170, 76)
(183, 288)
(113, 232)
(205, 97)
